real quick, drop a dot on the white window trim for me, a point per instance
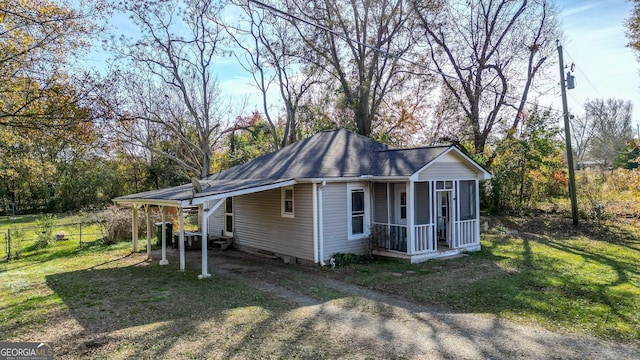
(367, 212)
(282, 201)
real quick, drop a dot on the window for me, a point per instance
(358, 211)
(403, 205)
(287, 202)
(228, 216)
(440, 185)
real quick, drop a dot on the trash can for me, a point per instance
(168, 229)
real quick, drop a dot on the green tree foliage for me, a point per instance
(38, 39)
(633, 27)
(46, 108)
(528, 166)
(629, 157)
(249, 138)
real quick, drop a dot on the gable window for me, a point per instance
(358, 212)
(287, 202)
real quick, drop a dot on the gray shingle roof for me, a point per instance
(337, 153)
(329, 154)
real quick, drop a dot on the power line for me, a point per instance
(585, 75)
(284, 15)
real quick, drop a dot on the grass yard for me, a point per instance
(99, 301)
(24, 232)
(533, 270)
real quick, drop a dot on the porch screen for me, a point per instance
(380, 203)
(422, 203)
(467, 200)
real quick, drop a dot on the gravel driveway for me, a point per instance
(375, 325)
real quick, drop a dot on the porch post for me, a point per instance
(134, 229)
(181, 243)
(477, 200)
(164, 260)
(148, 216)
(410, 217)
(205, 242)
(433, 216)
(315, 222)
(387, 242)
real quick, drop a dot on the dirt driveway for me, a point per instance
(371, 324)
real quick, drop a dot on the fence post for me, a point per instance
(80, 233)
(8, 244)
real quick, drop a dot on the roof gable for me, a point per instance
(404, 162)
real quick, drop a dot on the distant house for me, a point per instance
(335, 192)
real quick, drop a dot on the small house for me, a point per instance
(334, 192)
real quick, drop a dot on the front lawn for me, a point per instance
(534, 270)
(97, 300)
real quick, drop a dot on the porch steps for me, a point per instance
(222, 242)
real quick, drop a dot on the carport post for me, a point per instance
(146, 210)
(134, 229)
(164, 260)
(205, 238)
(181, 247)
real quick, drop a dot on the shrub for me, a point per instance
(345, 259)
(114, 223)
(45, 224)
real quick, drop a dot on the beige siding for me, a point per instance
(259, 224)
(216, 220)
(448, 167)
(335, 217)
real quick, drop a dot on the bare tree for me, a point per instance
(488, 54)
(583, 131)
(270, 51)
(170, 79)
(359, 45)
(611, 120)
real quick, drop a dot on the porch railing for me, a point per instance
(389, 236)
(423, 238)
(465, 233)
(394, 236)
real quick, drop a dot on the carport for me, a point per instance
(204, 195)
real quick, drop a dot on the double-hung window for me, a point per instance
(287, 202)
(358, 212)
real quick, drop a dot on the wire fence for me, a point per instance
(16, 239)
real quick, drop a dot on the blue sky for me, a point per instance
(595, 41)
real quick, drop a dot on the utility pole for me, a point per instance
(567, 135)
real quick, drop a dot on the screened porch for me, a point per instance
(425, 217)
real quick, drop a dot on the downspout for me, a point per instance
(315, 223)
(321, 223)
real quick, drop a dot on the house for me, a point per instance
(334, 192)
